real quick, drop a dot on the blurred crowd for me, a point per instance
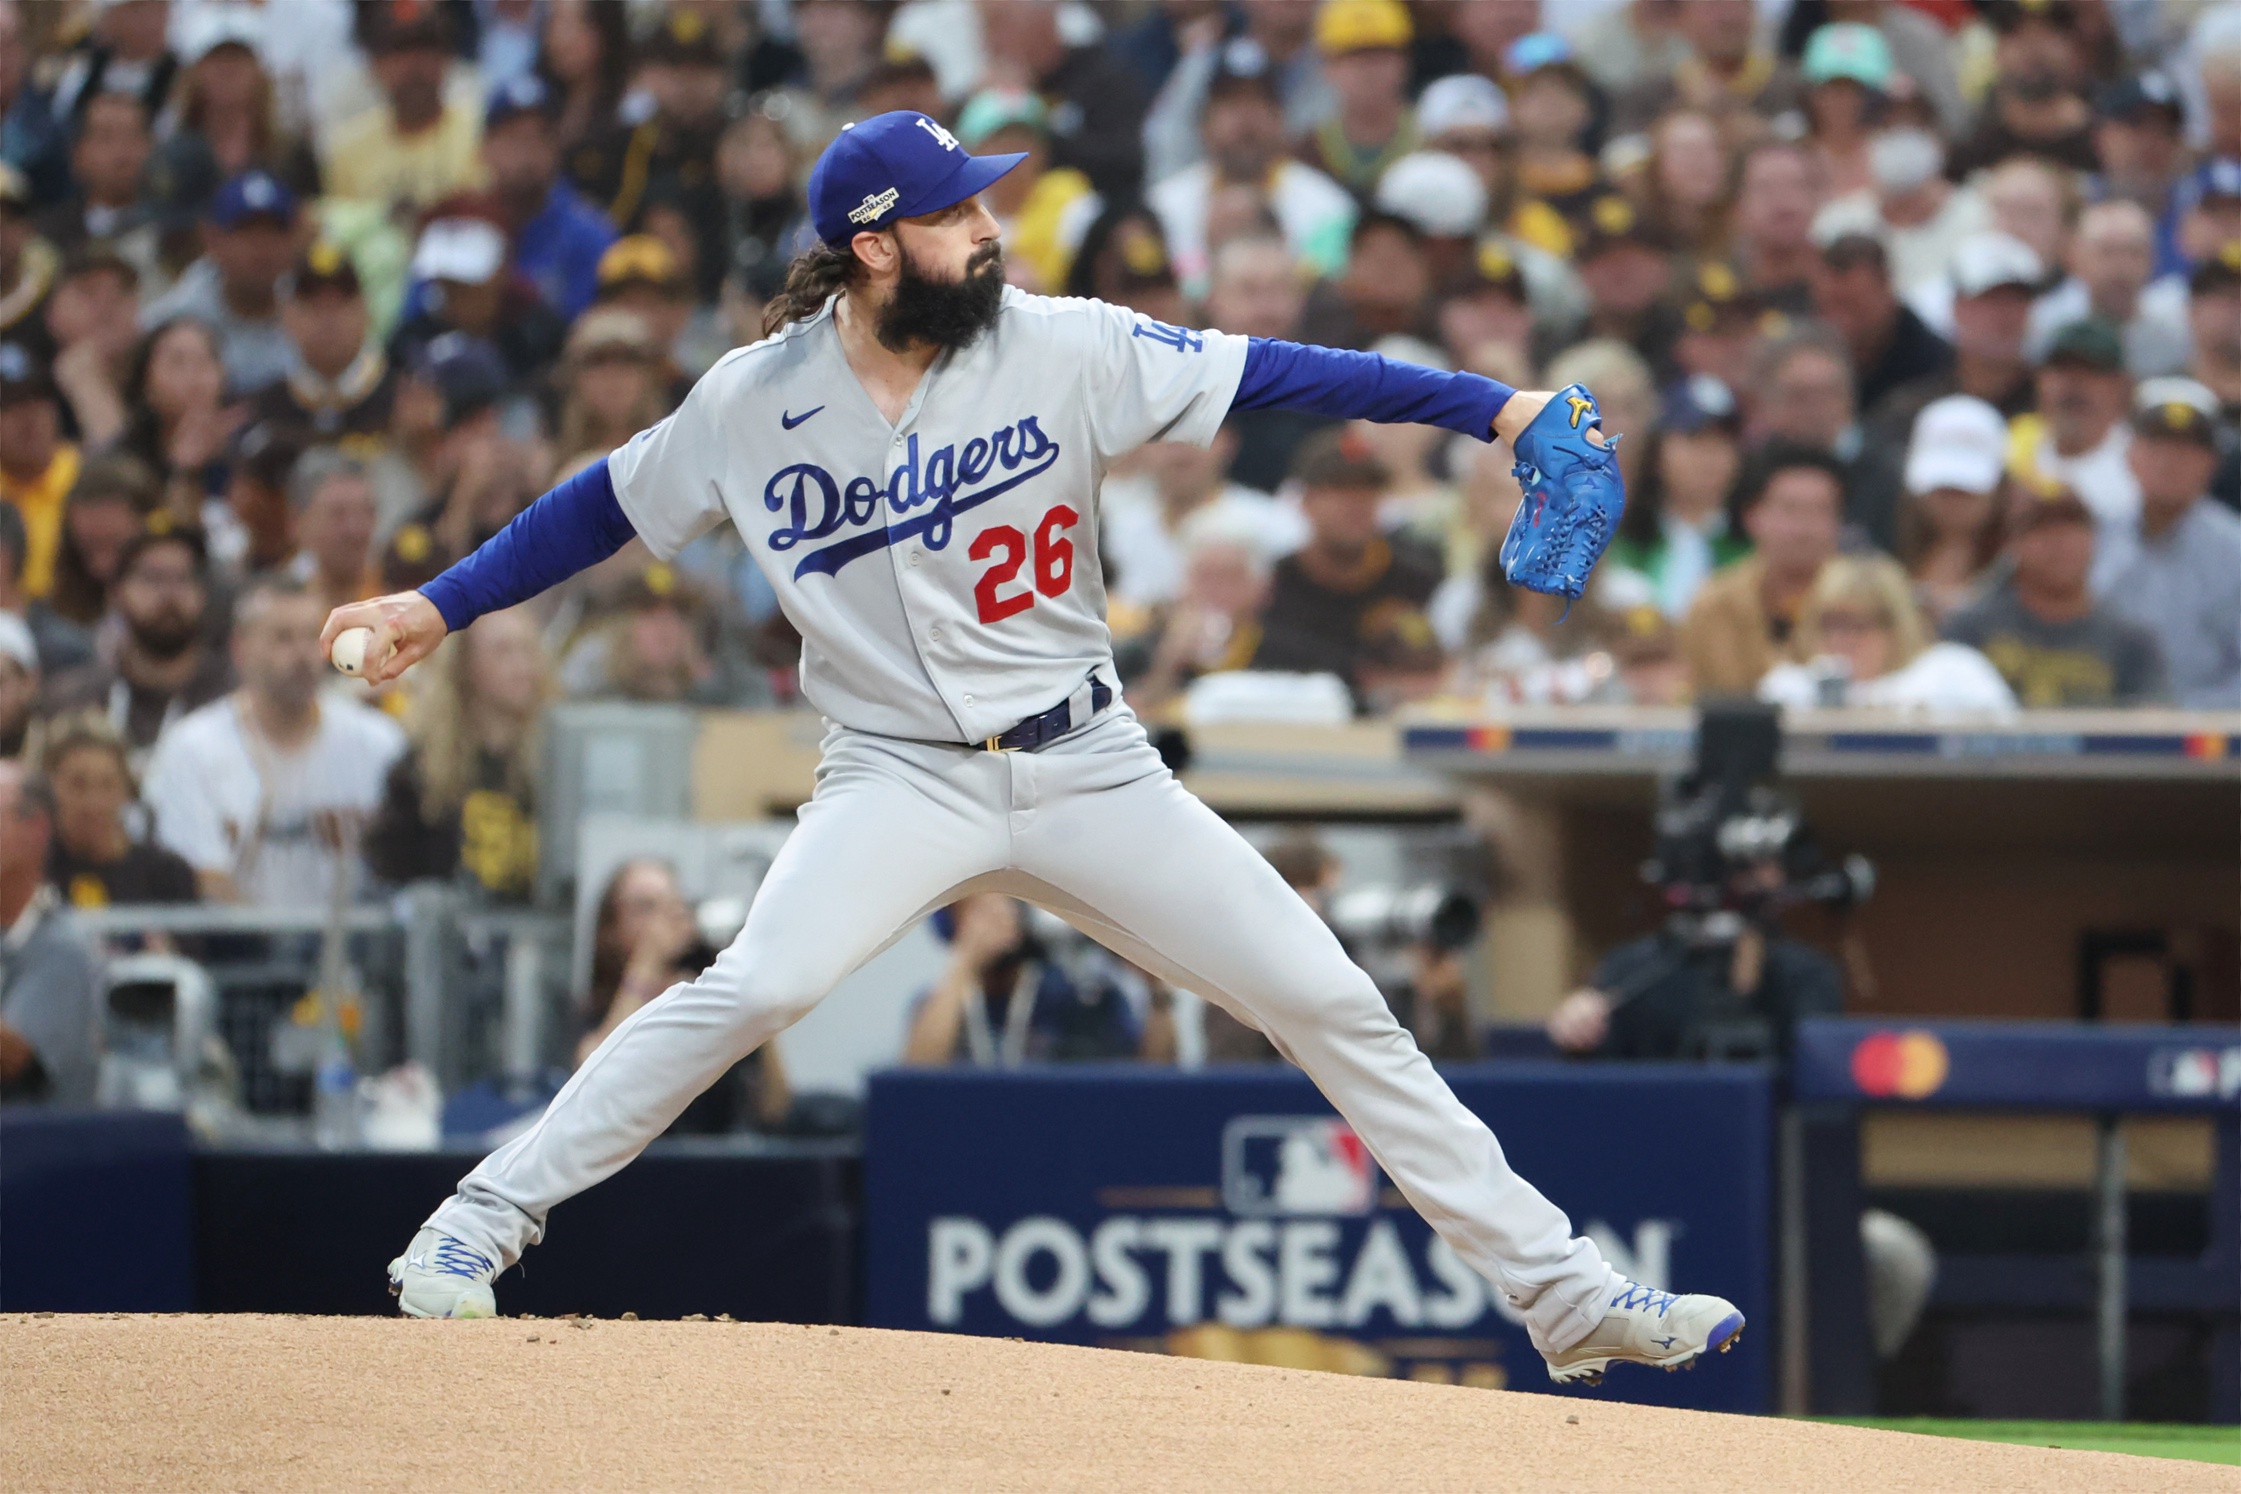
(1921, 320)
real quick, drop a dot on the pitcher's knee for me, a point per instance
(1345, 999)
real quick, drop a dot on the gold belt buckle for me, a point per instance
(996, 744)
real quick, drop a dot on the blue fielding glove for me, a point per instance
(1573, 498)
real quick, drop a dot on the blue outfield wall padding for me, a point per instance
(1229, 1213)
(96, 1212)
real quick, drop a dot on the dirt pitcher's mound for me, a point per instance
(533, 1406)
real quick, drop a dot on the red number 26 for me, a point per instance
(1054, 563)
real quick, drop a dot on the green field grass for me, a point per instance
(2149, 1440)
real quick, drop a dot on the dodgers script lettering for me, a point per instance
(932, 493)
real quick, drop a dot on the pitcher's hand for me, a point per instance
(406, 629)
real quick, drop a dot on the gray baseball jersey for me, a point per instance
(943, 570)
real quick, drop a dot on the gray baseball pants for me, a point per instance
(1096, 829)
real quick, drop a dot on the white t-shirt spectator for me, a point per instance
(227, 802)
(1920, 253)
(1945, 678)
(1148, 558)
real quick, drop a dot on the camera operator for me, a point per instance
(1002, 1000)
(1668, 996)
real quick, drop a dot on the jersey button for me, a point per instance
(916, 556)
(968, 700)
(935, 635)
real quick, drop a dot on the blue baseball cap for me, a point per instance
(894, 165)
(252, 194)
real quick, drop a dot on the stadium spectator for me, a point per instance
(226, 116)
(644, 941)
(659, 639)
(1364, 47)
(1486, 314)
(1721, 326)
(1791, 501)
(180, 423)
(108, 165)
(340, 386)
(415, 147)
(104, 513)
(2183, 582)
(93, 319)
(162, 664)
(1555, 171)
(20, 680)
(2039, 623)
(1950, 521)
(641, 274)
(95, 860)
(1727, 73)
(331, 501)
(1774, 207)
(1466, 115)
(249, 236)
(2036, 106)
(1350, 601)
(1993, 277)
(1001, 1001)
(2208, 201)
(766, 212)
(1213, 622)
(1890, 345)
(262, 789)
(586, 57)
(1386, 290)
(467, 287)
(1676, 529)
(2080, 435)
(661, 149)
(1256, 291)
(1806, 398)
(1862, 641)
(2139, 143)
(1243, 129)
(2112, 262)
(253, 530)
(1688, 188)
(1123, 259)
(1043, 212)
(615, 382)
(1627, 276)
(463, 802)
(49, 980)
(1847, 72)
(37, 466)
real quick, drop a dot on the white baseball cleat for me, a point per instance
(1645, 1326)
(440, 1277)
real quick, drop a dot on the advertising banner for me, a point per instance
(1230, 1214)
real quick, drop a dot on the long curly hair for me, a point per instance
(443, 727)
(811, 280)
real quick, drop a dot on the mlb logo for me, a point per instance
(1296, 1164)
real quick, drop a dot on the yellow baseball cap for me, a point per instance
(1343, 26)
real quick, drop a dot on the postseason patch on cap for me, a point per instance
(874, 206)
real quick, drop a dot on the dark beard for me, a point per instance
(946, 313)
(166, 636)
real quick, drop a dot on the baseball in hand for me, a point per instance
(349, 652)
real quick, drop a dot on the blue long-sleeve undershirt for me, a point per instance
(1364, 386)
(576, 525)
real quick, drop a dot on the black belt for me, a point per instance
(1036, 731)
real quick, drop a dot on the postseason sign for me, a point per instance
(1230, 1214)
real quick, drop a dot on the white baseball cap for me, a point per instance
(1462, 101)
(1959, 442)
(1988, 260)
(467, 250)
(1437, 192)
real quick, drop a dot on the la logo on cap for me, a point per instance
(949, 141)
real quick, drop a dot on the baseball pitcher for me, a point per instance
(913, 456)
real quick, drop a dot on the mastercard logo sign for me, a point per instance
(1900, 1065)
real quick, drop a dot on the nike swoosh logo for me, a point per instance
(790, 421)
